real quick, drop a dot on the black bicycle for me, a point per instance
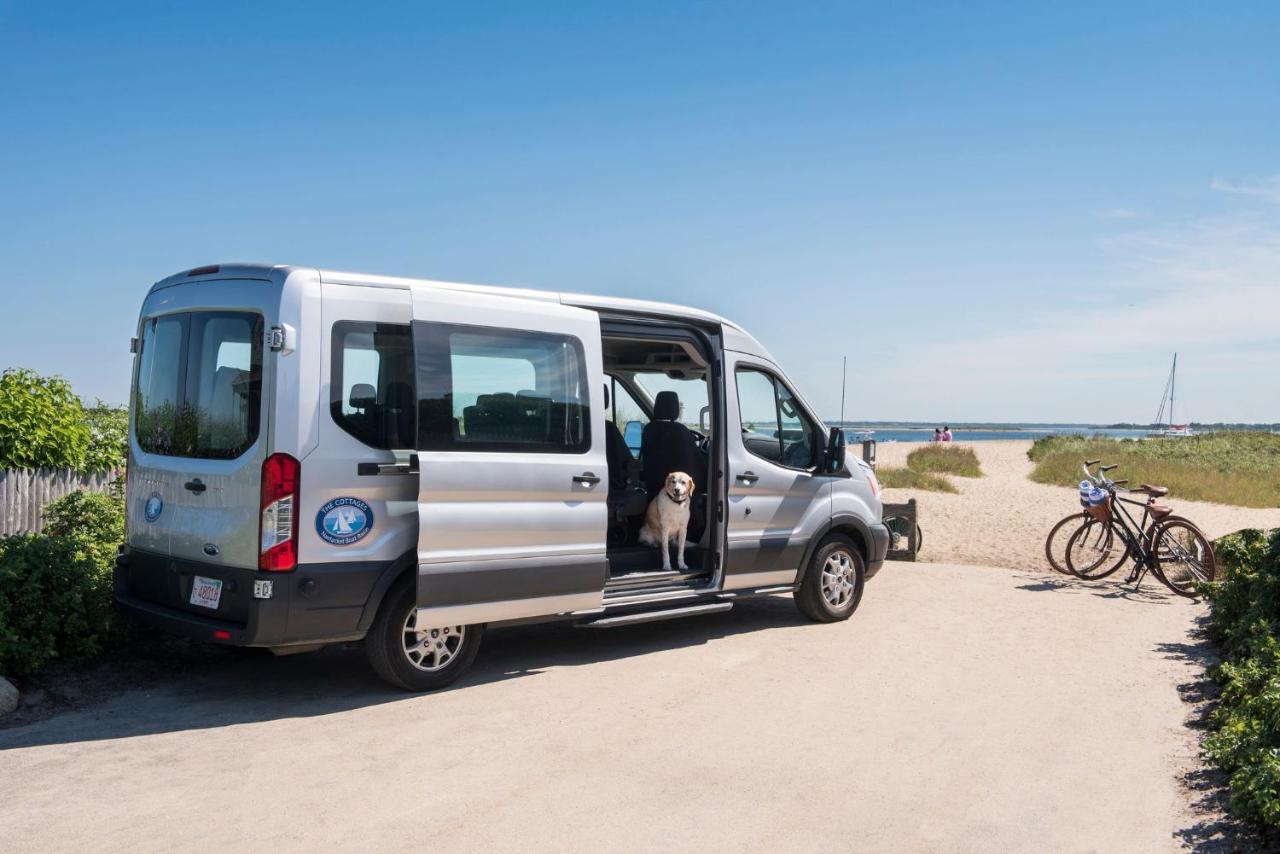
(1171, 547)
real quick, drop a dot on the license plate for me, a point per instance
(206, 592)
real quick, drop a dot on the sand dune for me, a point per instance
(1002, 519)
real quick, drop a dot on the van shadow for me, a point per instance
(250, 686)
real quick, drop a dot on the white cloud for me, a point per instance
(1267, 188)
(1209, 289)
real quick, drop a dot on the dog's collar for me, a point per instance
(676, 500)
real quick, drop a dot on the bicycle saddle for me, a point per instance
(1153, 491)
(1158, 511)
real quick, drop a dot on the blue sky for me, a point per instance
(997, 211)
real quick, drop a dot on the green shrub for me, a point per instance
(945, 459)
(911, 479)
(1245, 621)
(1241, 468)
(108, 437)
(56, 599)
(42, 423)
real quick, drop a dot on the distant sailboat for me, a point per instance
(1167, 429)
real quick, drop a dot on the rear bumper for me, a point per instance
(324, 603)
(879, 548)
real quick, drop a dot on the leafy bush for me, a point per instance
(108, 437)
(42, 422)
(56, 600)
(911, 479)
(1241, 468)
(1245, 621)
(945, 459)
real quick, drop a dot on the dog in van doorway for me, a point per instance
(667, 519)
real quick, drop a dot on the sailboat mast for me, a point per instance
(844, 373)
(1173, 380)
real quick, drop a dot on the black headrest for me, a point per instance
(666, 406)
(362, 396)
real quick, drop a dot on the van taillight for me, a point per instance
(278, 530)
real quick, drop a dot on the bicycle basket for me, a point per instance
(1101, 512)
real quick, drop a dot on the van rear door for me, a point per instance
(513, 480)
(197, 445)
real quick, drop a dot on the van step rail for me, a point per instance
(654, 616)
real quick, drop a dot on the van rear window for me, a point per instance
(199, 387)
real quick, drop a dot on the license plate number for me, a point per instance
(206, 592)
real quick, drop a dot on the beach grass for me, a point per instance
(1240, 468)
(912, 479)
(944, 458)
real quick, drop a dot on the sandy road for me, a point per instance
(957, 710)
(1002, 518)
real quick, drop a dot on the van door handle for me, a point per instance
(375, 469)
(587, 477)
(748, 477)
(197, 486)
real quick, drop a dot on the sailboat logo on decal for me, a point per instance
(344, 521)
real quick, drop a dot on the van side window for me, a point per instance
(371, 384)
(487, 389)
(773, 424)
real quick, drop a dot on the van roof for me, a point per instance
(736, 338)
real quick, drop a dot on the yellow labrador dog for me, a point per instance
(667, 518)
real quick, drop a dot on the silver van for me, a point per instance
(320, 457)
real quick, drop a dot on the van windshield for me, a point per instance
(199, 389)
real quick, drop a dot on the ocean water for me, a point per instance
(980, 432)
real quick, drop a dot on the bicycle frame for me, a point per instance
(1132, 531)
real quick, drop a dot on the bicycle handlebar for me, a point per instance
(1100, 479)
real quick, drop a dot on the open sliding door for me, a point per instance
(512, 482)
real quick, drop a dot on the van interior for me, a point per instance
(658, 420)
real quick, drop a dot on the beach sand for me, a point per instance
(1002, 518)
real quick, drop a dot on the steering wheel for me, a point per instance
(702, 443)
(797, 455)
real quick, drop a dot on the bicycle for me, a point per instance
(1170, 547)
(1055, 545)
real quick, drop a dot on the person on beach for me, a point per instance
(946, 434)
(937, 434)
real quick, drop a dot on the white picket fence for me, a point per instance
(24, 494)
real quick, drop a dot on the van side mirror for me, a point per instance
(833, 461)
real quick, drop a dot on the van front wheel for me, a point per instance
(417, 657)
(832, 583)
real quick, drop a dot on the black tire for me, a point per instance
(390, 656)
(1096, 550)
(1057, 556)
(845, 582)
(1184, 556)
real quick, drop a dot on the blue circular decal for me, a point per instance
(152, 509)
(344, 521)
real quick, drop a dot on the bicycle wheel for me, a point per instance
(1184, 556)
(1096, 550)
(1055, 545)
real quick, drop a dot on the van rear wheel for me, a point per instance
(832, 585)
(417, 657)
